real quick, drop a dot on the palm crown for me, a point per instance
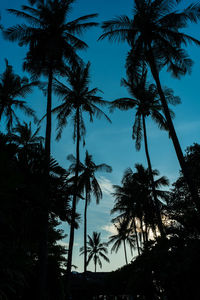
(23, 135)
(134, 197)
(77, 96)
(146, 100)
(155, 27)
(96, 249)
(13, 89)
(50, 37)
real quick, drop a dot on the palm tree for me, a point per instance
(88, 183)
(22, 135)
(146, 100)
(155, 37)
(52, 40)
(76, 99)
(96, 250)
(134, 199)
(124, 235)
(13, 89)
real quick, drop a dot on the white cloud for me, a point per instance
(106, 185)
(110, 228)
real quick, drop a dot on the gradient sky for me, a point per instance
(112, 143)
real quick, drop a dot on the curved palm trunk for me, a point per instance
(172, 132)
(43, 251)
(137, 240)
(125, 253)
(160, 225)
(85, 231)
(73, 215)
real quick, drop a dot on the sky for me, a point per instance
(112, 143)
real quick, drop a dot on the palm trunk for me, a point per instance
(95, 263)
(172, 132)
(73, 215)
(43, 251)
(137, 241)
(125, 252)
(160, 225)
(85, 231)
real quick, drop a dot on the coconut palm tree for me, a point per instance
(22, 135)
(88, 184)
(13, 90)
(133, 199)
(52, 40)
(76, 98)
(123, 235)
(146, 101)
(96, 250)
(155, 37)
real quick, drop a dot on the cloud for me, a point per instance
(106, 185)
(110, 228)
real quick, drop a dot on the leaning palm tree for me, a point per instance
(76, 98)
(145, 99)
(13, 91)
(155, 37)
(123, 235)
(88, 184)
(96, 250)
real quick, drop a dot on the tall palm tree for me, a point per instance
(146, 100)
(52, 40)
(96, 250)
(133, 199)
(155, 37)
(76, 98)
(88, 184)
(123, 235)
(13, 91)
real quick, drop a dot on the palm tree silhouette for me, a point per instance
(133, 199)
(12, 88)
(76, 98)
(52, 40)
(88, 184)
(23, 135)
(123, 235)
(96, 250)
(146, 100)
(155, 37)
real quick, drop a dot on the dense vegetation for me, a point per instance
(160, 224)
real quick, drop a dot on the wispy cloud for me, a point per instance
(111, 229)
(106, 185)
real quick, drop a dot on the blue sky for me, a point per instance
(112, 143)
